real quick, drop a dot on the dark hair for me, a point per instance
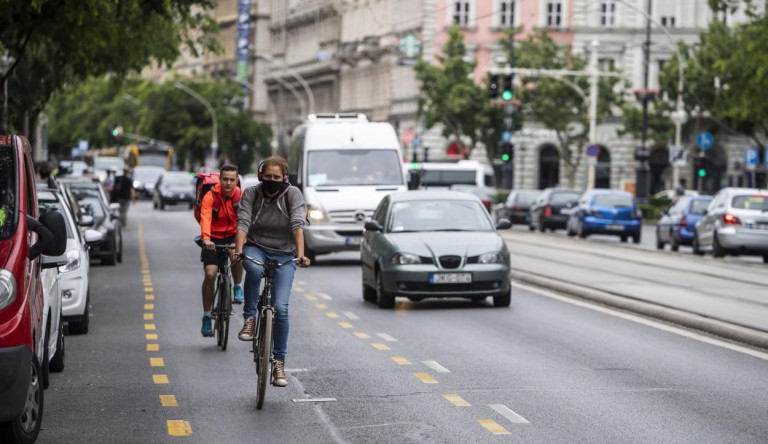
(275, 161)
(228, 167)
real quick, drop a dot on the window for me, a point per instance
(607, 13)
(661, 64)
(606, 64)
(668, 21)
(461, 13)
(507, 13)
(554, 14)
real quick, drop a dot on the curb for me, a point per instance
(694, 321)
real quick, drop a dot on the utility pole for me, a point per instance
(593, 78)
(642, 171)
(507, 168)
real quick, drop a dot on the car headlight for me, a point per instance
(73, 261)
(405, 259)
(7, 288)
(136, 184)
(316, 214)
(490, 258)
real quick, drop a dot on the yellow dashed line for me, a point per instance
(345, 325)
(160, 379)
(153, 347)
(456, 400)
(361, 335)
(379, 346)
(321, 306)
(425, 378)
(149, 326)
(149, 297)
(168, 401)
(149, 316)
(493, 427)
(156, 362)
(151, 336)
(145, 271)
(309, 297)
(177, 427)
(149, 306)
(149, 290)
(331, 315)
(401, 360)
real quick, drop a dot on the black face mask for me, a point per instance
(272, 186)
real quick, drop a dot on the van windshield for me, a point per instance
(353, 167)
(7, 193)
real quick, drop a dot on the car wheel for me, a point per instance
(531, 227)
(569, 229)
(581, 231)
(624, 238)
(45, 369)
(541, 227)
(120, 250)
(479, 298)
(154, 204)
(81, 327)
(369, 294)
(696, 247)
(674, 244)
(112, 259)
(659, 242)
(383, 299)
(26, 427)
(57, 363)
(765, 258)
(503, 300)
(636, 238)
(191, 206)
(162, 205)
(717, 249)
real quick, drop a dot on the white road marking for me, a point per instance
(295, 370)
(386, 337)
(313, 400)
(298, 282)
(435, 366)
(508, 413)
(648, 322)
(351, 315)
(324, 296)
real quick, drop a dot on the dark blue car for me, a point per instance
(606, 212)
(677, 225)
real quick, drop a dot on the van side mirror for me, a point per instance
(373, 225)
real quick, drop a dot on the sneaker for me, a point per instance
(207, 330)
(246, 334)
(278, 374)
(238, 295)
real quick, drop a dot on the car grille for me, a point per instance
(349, 216)
(450, 262)
(450, 288)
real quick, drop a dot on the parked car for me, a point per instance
(144, 179)
(550, 209)
(433, 244)
(72, 168)
(670, 194)
(105, 221)
(23, 320)
(174, 188)
(736, 222)
(74, 274)
(517, 207)
(248, 181)
(103, 164)
(606, 212)
(485, 194)
(82, 183)
(677, 225)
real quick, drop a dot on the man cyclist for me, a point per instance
(270, 225)
(218, 225)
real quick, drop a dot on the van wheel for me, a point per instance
(57, 363)
(26, 427)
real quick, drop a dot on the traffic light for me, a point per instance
(493, 86)
(506, 92)
(507, 152)
(700, 166)
(117, 131)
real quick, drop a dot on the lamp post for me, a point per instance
(295, 74)
(210, 163)
(5, 65)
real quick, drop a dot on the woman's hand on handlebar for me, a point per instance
(209, 245)
(303, 262)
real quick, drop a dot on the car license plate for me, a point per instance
(450, 278)
(615, 227)
(353, 240)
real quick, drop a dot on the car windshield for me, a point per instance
(698, 206)
(149, 175)
(353, 167)
(7, 193)
(89, 202)
(563, 197)
(758, 202)
(177, 180)
(103, 164)
(525, 197)
(446, 178)
(614, 200)
(48, 205)
(438, 215)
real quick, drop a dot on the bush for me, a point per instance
(501, 196)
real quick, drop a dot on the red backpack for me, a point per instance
(204, 182)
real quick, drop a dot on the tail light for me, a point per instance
(730, 219)
(516, 208)
(547, 210)
(488, 204)
(683, 221)
(593, 212)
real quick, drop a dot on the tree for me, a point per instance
(449, 95)
(660, 128)
(555, 103)
(57, 42)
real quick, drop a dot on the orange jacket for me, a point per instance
(223, 226)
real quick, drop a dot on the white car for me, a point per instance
(74, 274)
(53, 328)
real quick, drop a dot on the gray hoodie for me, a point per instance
(268, 222)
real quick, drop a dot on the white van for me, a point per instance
(344, 165)
(439, 175)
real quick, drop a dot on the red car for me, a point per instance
(23, 238)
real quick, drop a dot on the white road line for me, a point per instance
(314, 400)
(324, 296)
(351, 315)
(386, 337)
(300, 283)
(508, 413)
(648, 322)
(435, 366)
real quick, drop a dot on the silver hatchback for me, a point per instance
(736, 222)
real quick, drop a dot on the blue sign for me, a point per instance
(416, 142)
(243, 39)
(82, 145)
(704, 140)
(750, 157)
(593, 150)
(506, 136)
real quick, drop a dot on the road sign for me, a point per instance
(407, 136)
(416, 142)
(678, 156)
(410, 46)
(82, 145)
(704, 140)
(506, 136)
(750, 158)
(593, 150)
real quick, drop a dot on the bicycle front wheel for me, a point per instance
(222, 325)
(265, 354)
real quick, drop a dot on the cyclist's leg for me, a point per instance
(208, 286)
(282, 293)
(252, 286)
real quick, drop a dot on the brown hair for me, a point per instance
(228, 167)
(275, 161)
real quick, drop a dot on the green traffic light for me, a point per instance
(505, 157)
(507, 95)
(115, 132)
(414, 165)
(702, 172)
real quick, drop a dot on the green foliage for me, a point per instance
(55, 42)
(501, 196)
(660, 127)
(90, 109)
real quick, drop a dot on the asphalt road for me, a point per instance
(544, 370)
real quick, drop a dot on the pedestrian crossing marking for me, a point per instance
(168, 401)
(361, 335)
(379, 346)
(493, 427)
(324, 296)
(401, 360)
(149, 306)
(153, 347)
(160, 379)
(149, 297)
(310, 297)
(456, 400)
(425, 378)
(351, 315)
(345, 325)
(386, 337)
(151, 336)
(331, 315)
(177, 427)
(149, 326)
(149, 316)
(508, 413)
(321, 306)
(156, 362)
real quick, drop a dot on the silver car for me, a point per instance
(736, 222)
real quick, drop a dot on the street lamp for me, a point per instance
(5, 64)
(215, 141)
(269, 59)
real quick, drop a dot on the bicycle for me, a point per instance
(262, 340)
(222, 296)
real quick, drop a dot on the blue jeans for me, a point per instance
(281, 293)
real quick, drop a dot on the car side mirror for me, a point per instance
(54, 245)
(503, 224)
(373, 225)
(86, 220)
(92, 237)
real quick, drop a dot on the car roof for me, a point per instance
(616, 192)
(734, 190)
(405, 196)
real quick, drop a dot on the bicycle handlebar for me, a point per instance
(201, 244)
(262, 264)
